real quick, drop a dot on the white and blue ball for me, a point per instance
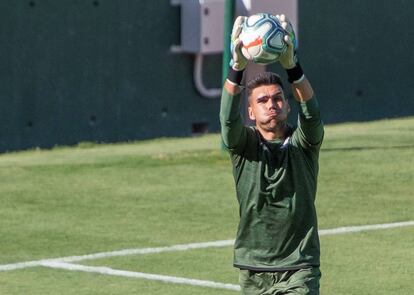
(262, 38)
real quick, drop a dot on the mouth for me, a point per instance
(273, 113)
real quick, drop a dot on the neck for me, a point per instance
(278, 132)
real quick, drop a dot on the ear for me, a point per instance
(251, 114)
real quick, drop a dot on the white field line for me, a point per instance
(125, 252)
(354, 229)
(185, 247)
(140, 275)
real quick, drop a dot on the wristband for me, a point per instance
(234, 76)
(295, 73)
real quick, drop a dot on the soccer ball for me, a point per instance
(262, 38)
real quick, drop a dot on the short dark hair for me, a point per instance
(265, 78)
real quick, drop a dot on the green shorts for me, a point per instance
(301, 282)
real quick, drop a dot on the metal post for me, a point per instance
(229, 6)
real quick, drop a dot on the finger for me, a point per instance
(284, 19)
(239, 20)
(287, 27)
(237, 26)
(238, 23)
(237, 53)
(288, 40)
(236, 46)
(237, 43)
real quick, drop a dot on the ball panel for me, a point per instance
(254, 19)
(275, 41)
(255, 50)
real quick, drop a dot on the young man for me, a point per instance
(275, 168)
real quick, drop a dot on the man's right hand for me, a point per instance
(238, 62)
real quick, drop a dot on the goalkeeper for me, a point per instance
(275, 167)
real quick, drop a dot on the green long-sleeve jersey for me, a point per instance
(276, 187)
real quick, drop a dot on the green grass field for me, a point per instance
(99, 198)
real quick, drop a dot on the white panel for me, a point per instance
(212, 26)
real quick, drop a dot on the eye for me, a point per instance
(278, 99)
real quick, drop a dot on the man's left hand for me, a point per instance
(288, 59)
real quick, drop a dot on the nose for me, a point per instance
(271, 104)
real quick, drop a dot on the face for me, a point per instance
(268, 107)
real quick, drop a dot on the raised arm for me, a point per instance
(232, 128)
(301, 88)
(310, 126)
